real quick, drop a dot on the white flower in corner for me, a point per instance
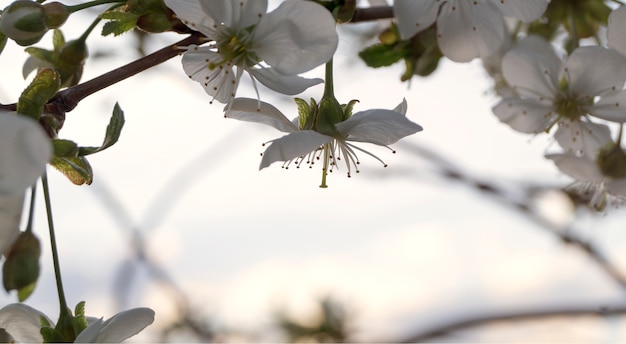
(377, 126)
(21, 323)
(465, 29)
(24, 151)
(272, 47)
(569, 93)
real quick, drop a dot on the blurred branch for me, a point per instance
(372, 13)
(524, 205)
(477, 320)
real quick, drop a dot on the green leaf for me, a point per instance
(121, 22)
(58, 40)
(45, 85)
(77, 170)
(25, 292)
(380, 55)
(114, 129)
(65, 148)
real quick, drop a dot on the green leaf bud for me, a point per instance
(24, 21)
(154, 22)
(21, 269)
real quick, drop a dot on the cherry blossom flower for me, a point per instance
(602, 190)
(465, 29)
(272, 47)
(24, 151)
(377, 126)
(551, 91)
(22, 323)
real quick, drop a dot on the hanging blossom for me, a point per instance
(591, 181)
(24, 151)
(271, 47)
(22, 323)
(567, 92)
(377, 126)
(465, 29)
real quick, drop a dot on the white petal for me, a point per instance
(414, 16)
(285, 84)
(224, 12)
(121, 326)
(90, 334)
(467, 29)
(377, 126)
(252, 110)
(22, 322)
(10, 216)
(296, 37)
(402, 107)
(581, 169)
(292, 146)
(526, 116)
(219, 82)
(594, 70)
(191, 13)
(251, 12)
(25, 149)
(532, 71)
(585, 137)
(611, 107)
(524, 10)
(616, 30)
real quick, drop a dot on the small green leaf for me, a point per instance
(43, 54)
(65, 148)
(121, 22)
(347, 108)
(45, 85)
(25, 292)
(114, 129)
(58, 40)
(80, 321)
(380, 55)
(305, 120)
(77, 170)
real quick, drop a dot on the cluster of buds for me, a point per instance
(26, 21)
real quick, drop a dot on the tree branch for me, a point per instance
(372, 13)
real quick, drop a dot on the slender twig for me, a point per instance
(510, 315)
(372, 13)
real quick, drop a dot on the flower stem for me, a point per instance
(31, 211)
(53, 244)
(329, 91)
(79, 7)
(325, 168)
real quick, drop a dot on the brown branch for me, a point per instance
(477, 320)
(372, 13)
(67, 99)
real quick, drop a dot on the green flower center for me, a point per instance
(234, 47)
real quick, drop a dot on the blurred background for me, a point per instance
(465, 237)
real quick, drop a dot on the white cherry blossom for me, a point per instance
(272, 47)
(465, 29)
(378, 126)
(22, 323)
(567, 92)
(603, 191)
(616, 30)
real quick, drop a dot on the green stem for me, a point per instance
(79, 7)
(325, 168)
(329, 91)
(31, 212)
(55, 256)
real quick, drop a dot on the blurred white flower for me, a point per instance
(616, 30)
(272, 47)
(465, 29)
(377, 126)
(603, 191)
(22, 323)
(552, 91)
(24, 152)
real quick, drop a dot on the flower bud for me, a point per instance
(389, 36)
(154, 23)
(21, 269)
(56, 14)
(71, 62)
(612, 161)
(24, 21)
